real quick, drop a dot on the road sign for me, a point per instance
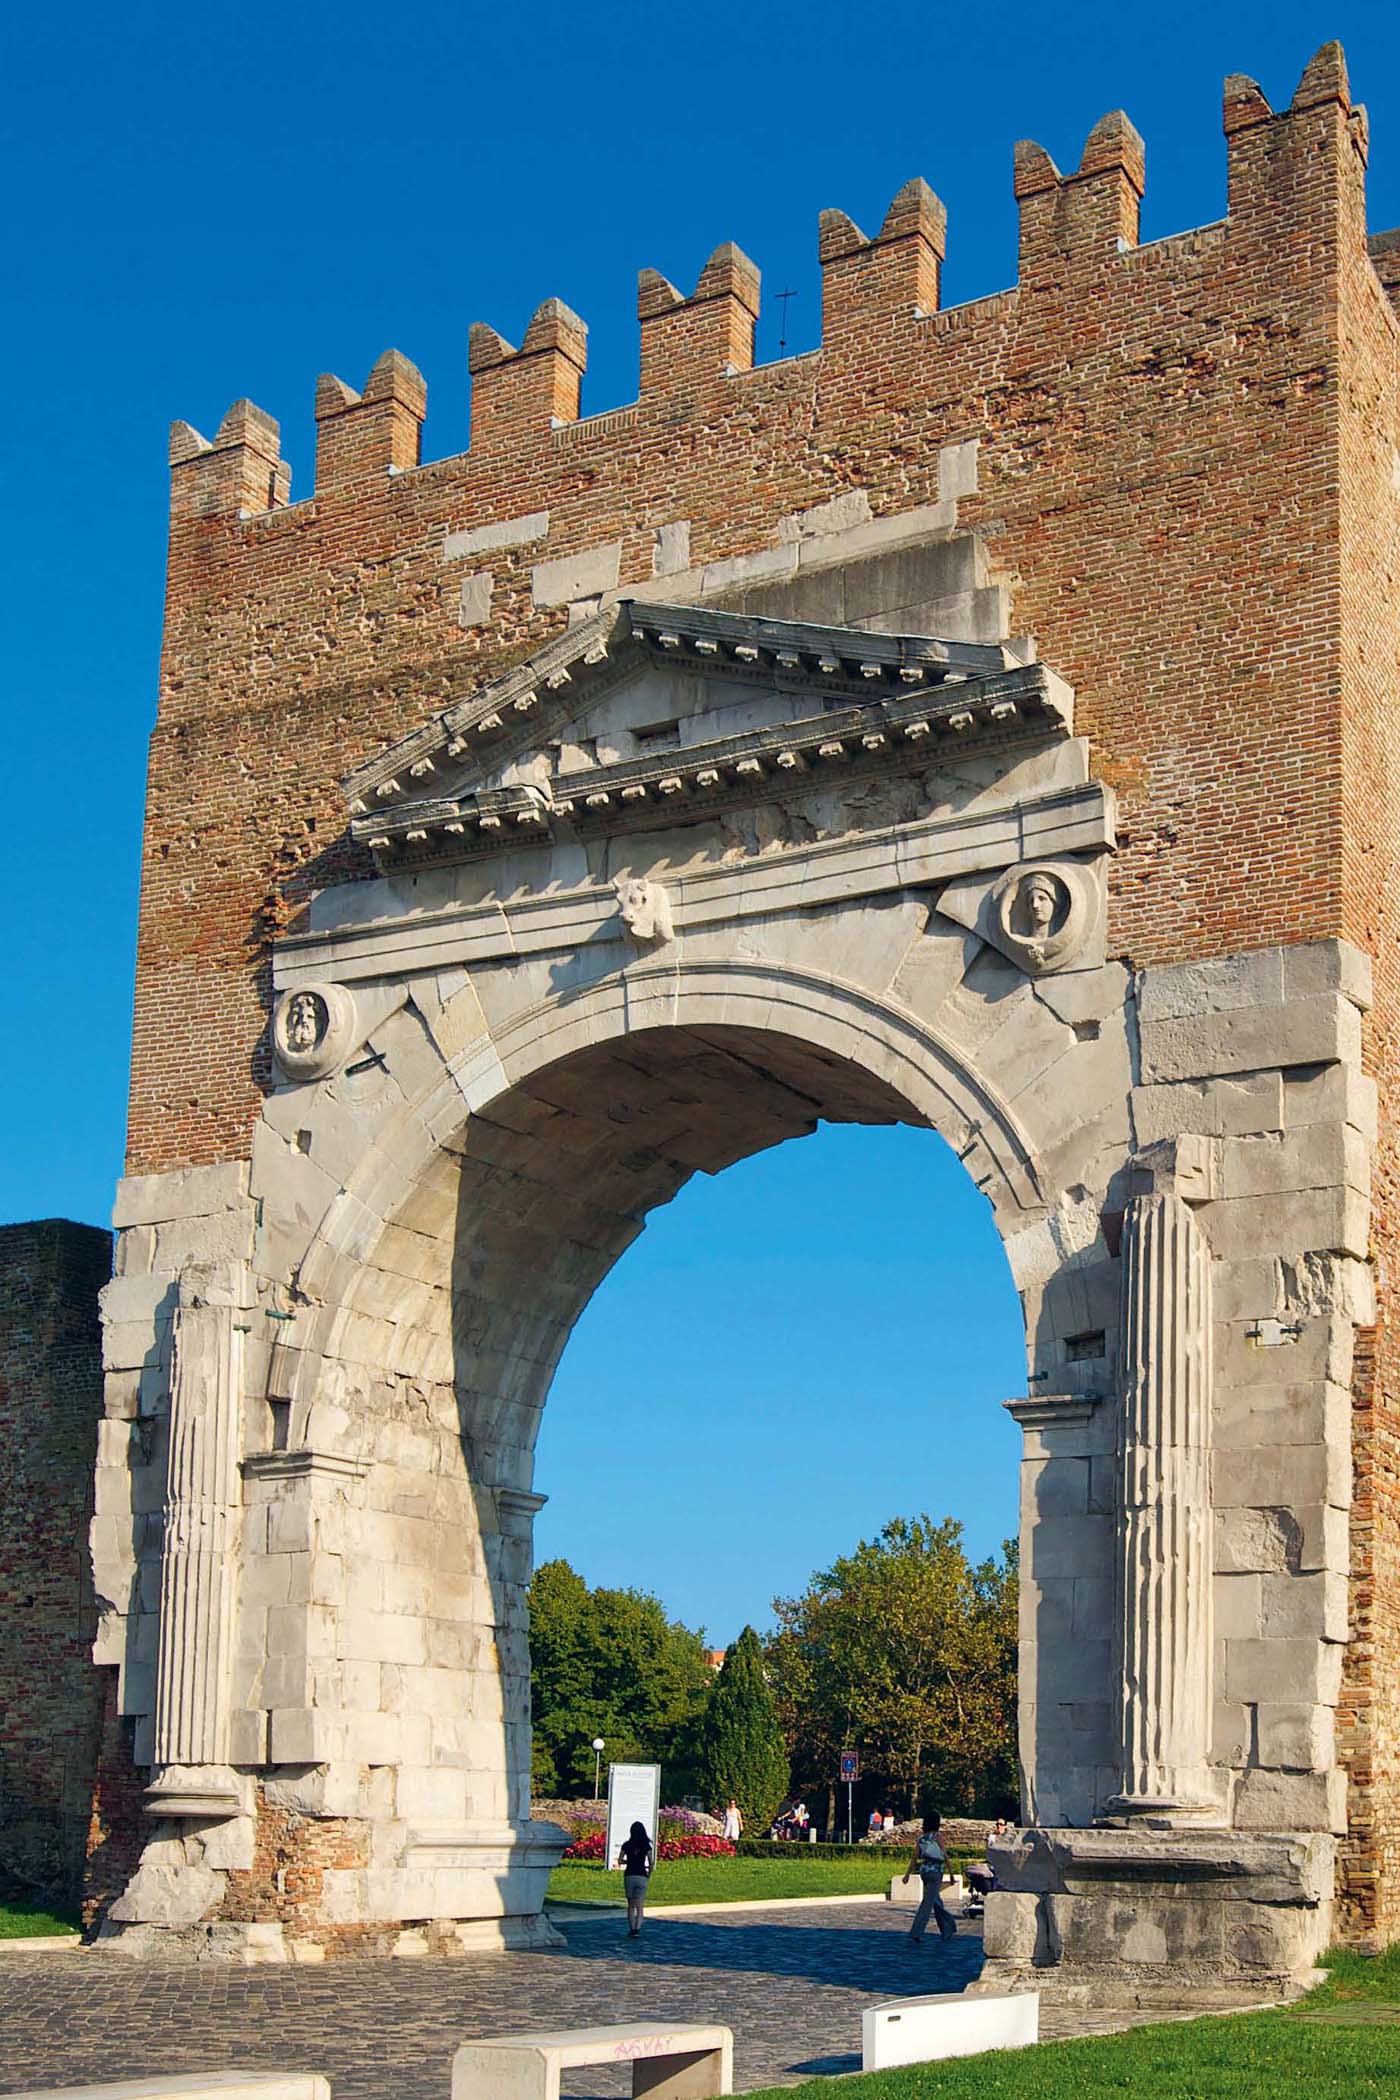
(850, 1766)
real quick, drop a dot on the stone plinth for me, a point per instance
(1158, 1917)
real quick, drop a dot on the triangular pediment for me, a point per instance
(652, 714)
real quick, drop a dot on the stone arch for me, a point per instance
(913, 1059)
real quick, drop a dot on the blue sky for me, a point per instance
(217, 201)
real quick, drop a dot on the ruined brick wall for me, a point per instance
(1369, 483)
(50, 1405)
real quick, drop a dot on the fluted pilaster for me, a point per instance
(198, 1562)
(1164, 1537)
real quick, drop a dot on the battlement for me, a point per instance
(1075, 228)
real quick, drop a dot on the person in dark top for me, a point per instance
(636, 1861)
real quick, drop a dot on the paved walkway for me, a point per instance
(792, 1985)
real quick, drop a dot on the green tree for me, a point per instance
(740, 1750)
(906, 1651)
(609, 1663)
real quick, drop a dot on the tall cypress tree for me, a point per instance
(741, 1751)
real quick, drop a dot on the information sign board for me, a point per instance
(850, 1766)
(634, 1796)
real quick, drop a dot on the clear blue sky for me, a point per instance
(210, 201)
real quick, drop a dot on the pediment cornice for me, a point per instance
(872, 703)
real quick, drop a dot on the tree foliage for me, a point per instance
(906, 1652)
(740, 1750)
(609, 1663)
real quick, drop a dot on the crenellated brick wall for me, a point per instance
(1182, 456)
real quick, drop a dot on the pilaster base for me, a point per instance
(452, 1891)
(1161, 1918)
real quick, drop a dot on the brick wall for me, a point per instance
(1158, 435)
(50, 1404)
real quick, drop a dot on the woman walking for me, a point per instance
(929, 1862)
(636, 1861)
(733, 1823)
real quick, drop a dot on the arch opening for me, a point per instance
(446, 1344)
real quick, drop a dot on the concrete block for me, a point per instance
(1288, 1672)
(1215, 1108)
(670, 554)
(1237, 1607)
(576, 575)
(1011, 1926)
(301, 1736)
(957, 470)
(1303, 1221)
(1319, 1156)
(926, 2030)
(1315, 1605)
(1054, 1487)
(765, 567)
(1223, 984)
(474, 599)
(1291, 1801)
(1300, 1738)
(247, 1736)
(228, 1846)
(1071, 1545)
(427, 1794)
(136, 1301)
(838, 514)
(491, 539)
(1283, 1478)
(1251, 1038)
(1334, 1094)
(188, 1192)
(1327, 966)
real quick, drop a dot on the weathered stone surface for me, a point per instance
(172, 1896)
(1324, 1029)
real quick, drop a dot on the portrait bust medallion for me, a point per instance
(313, 1030)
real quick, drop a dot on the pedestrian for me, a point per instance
(636, 1861)
(929, 1863)
(801, 1820)
(733, 1822)
(877, 1822)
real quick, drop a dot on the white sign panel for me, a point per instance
(634, 1796)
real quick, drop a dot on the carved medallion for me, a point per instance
(1043, 915)
(313, 1030)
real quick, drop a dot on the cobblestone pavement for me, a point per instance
(792, 1986)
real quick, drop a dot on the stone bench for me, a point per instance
(923, 2030)
(196, 2085)
(671, 2062)
(909, 1892)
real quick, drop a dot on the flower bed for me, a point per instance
(675, 1843)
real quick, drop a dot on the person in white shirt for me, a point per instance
(733, 1823)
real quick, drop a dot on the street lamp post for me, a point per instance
(597, 1763)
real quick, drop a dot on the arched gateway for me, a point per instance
(681, 815)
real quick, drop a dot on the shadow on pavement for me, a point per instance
(848, 1957)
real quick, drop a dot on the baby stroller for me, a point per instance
(980, 1881)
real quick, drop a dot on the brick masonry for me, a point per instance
(1186, 465)
(50, 1403)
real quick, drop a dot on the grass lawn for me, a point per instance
(1337, 2044)
(731, 1880)
(19, 1924)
